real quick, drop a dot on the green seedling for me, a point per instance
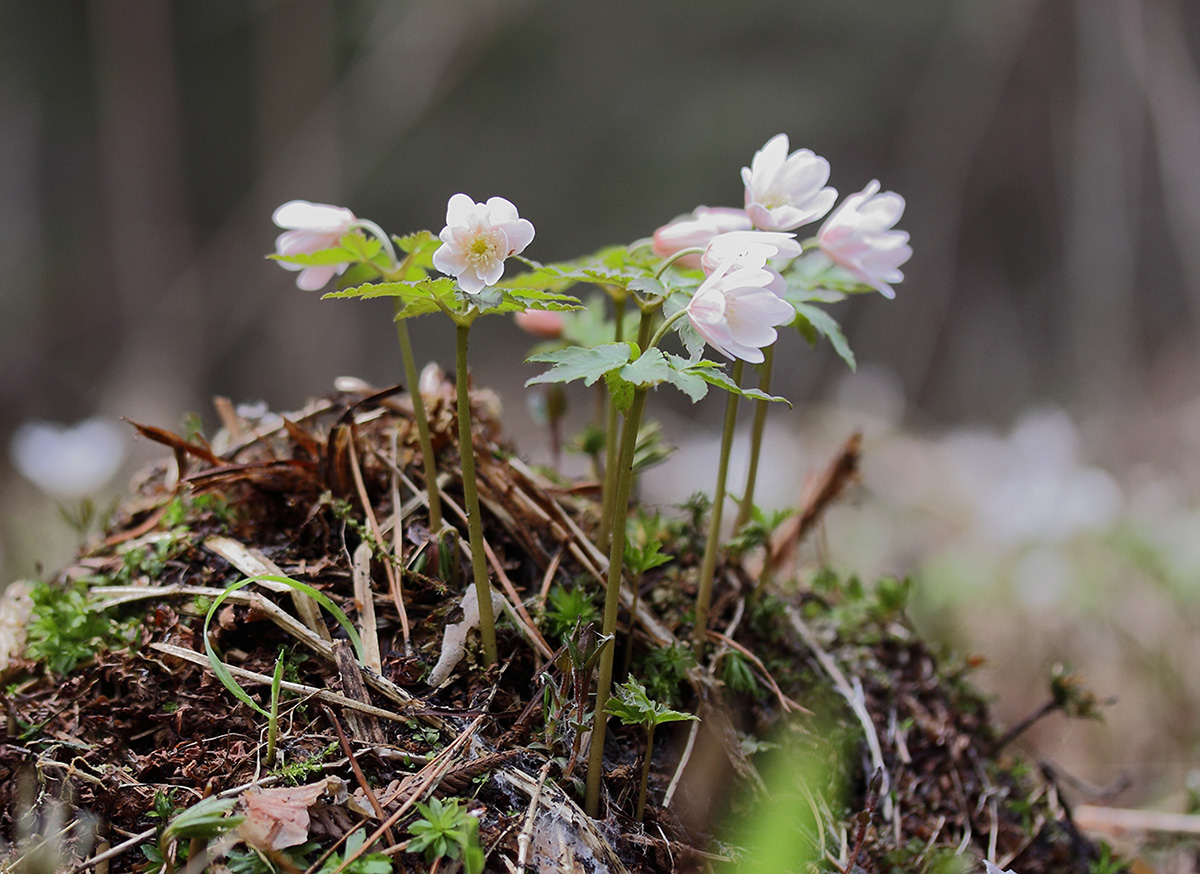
(568, 608)
(219, 668)
(368, 863)
(633, 707)
(273, 719)
(447, 831)
(198, 824)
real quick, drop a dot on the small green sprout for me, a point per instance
(370, 863)
(633, 707)
(198, 824)
(447, 830)
(567, 608)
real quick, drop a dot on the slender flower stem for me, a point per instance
(607, 508)
(414, 390)
(641, 802)
(379, 234)
(682, 253)
(466, 451)
(612, 600)
(610, 434)
(709, 565)
(666, 326)
(756, 437)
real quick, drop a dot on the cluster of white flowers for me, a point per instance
(740, 302)
(783, 192)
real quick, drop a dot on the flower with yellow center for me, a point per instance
(477, 240)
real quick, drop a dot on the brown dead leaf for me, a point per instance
(278, 818)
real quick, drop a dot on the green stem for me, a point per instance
(466, 451)
(607, 509)
(610, 437)
(612, 601)
(666, 326)
(709, 565)
(682, 253)
(756, 437)
(380, 234)
(641, 804)
(414, 389)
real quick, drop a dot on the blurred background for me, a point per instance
(1029, 400)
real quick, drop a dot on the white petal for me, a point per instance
(302, 215)
(500, 211)
(460, 210)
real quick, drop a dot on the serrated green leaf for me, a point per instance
(620, 391)
(321, 258)
(362, 247)
(649, 368)
(684, 379)
(578, 362)
(648, 285)
(827, 327)
(419, 298)
(709, 371)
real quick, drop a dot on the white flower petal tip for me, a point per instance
(309, 228)
(785, 191)
(989, 868)
(736, 312)
(751, 249)
(69, 461)
(478, 239)
(859, 236)
(696, 230)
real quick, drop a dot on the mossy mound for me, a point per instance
(825, 722)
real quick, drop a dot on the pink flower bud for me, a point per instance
(696, 230)
(540, 323)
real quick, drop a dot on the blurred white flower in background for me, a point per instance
(69, 461)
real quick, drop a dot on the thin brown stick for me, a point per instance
(348, 751)
(434, 771)
(398, 550)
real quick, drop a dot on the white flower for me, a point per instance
(859, 236)
(311, 227)
(992, 869)
(748, 249)
(786, 191)
(736, 312)
(477, 239)
(698, 229)
(69, 461)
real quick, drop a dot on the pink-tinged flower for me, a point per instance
(311, 227)
(698, 229)
(541, 323)
(748, 249)
(786, 191)
(477, 239)
(736, 312)
(859, 236)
